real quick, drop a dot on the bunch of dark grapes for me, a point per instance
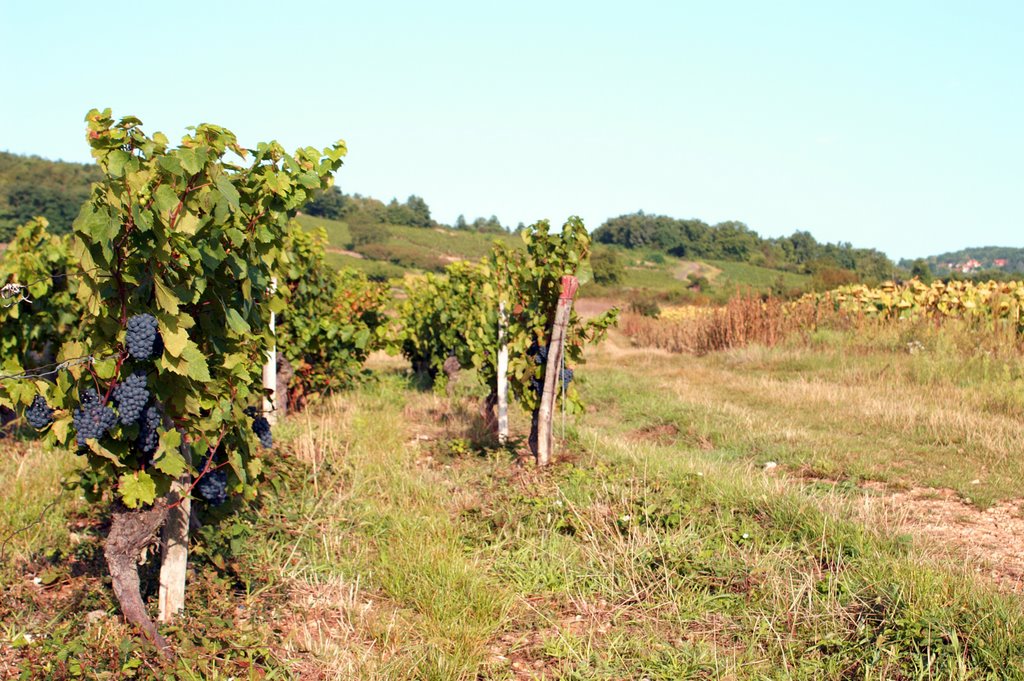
(213, 487)
(539, 353)
(536, 385)
(567, 376)
(39, 413)
(261, 427)
(92, 419)
(143, 339)
(149, 425)
(131, 396)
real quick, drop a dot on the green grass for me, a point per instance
(394, 544)
(743, 275)
(446, 244)
(337, 231)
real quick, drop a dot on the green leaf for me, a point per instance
(169, 458)
(136, 489)
(228, 191)
(196, 368)
(187, 223)
(116, 161)
(105, 368)
(237, 323)
(165, 200)
(175, 339)
(172, 165)
(190, 161)
(165, 298)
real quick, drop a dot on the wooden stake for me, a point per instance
(553, 370)
(502, 375)
(270, 368)
(174, 557)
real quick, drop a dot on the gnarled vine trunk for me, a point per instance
(130, 532)
(487, 415)
(451, 369)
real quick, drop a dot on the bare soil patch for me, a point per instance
(992, 540)
(345, 251)
(684, 269)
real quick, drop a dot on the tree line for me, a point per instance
(733, 240)
(35, 187)
(31, 186)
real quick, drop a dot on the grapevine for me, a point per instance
(172, 259)
(458, 314)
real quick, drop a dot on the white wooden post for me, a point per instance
(553, 370)
(270, 368)
(174, 558)
(502, 374)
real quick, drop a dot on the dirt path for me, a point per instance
(992, 541)
(343, 251)
(687, 267)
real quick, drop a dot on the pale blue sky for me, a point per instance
(895, 125)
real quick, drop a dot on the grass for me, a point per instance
(743, 275)
(397, 545)
(446, 244)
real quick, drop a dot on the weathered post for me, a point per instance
(553, 370)
(502, 374)
(174, 542)
(270, 368)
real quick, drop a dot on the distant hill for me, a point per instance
(681, 260)
(970, 260)
(31, 186)
(734, 241)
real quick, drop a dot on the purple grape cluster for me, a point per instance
(149, 427)
(567, 376)
(539, 353)
(261, 427)
(39, 413)
(131, 396)
(92, 419)
(213, 487)
(143, 338)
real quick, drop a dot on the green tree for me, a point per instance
(921, 270)
(608, 269)
(362, 233)
(329, 204)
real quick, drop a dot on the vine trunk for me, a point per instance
(130, 532)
